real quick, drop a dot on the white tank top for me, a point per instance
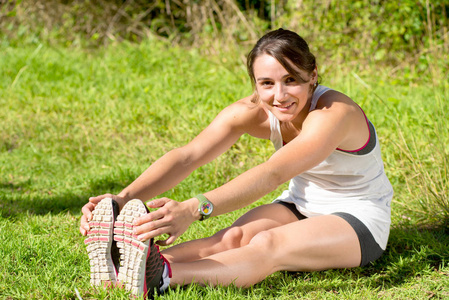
(343, 182)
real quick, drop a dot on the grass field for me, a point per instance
(77, 123)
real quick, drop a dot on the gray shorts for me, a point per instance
(369, 248)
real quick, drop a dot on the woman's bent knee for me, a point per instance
(265, 240)
(230, 238)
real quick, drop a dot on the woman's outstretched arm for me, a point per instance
(177, 164)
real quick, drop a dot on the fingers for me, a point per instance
(158, 232)
(157, 214)
(152, 234)
(158, 202)
(161, 213)
(159, 222)
(167, 219)
(153, 228)
(84, 227)
(89, 207)
(97, 199)
(87, 211)
(167, 242)
(86, 217)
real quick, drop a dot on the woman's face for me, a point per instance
(280, 92)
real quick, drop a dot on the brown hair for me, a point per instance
(288, 48)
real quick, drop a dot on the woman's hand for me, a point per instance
(172, 218)
(90, 206)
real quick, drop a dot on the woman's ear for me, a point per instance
(314, 77)
(313, 80)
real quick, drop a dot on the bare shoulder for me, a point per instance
(341, 118)
(248, 116)
(336, 100)
(333, 106)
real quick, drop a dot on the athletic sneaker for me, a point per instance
(101, 247)
(141, 264)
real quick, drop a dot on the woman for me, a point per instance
(335, 214)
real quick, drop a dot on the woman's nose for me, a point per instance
(279, 93)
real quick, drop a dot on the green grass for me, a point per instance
(77, 123)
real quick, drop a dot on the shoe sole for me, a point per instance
(99, 241)
(133, 253)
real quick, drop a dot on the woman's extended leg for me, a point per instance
(239, 234)
(317, 243)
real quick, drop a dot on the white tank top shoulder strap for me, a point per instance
(275, 127)
(276, 136)
(319, 91)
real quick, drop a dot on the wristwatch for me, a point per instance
(205, 207)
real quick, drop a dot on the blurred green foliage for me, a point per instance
(377, 30)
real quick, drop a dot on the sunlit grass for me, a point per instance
(76, 123)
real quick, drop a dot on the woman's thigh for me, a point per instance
(239, 234)
(312, 244)
(262, 218)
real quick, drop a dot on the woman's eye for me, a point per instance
(290, 80)
(265, 83)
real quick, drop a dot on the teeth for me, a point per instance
(280, 106)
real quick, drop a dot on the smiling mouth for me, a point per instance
(284, 107)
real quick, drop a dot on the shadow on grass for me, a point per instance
(17, 199)
(413, 251)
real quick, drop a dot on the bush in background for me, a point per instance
(401, 34)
